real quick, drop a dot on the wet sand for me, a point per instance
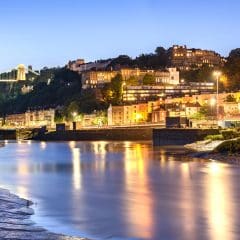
(15, 222)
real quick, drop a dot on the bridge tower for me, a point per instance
(21, 73)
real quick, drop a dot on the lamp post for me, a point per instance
(74, 114)
(212, 104)
(217, 74)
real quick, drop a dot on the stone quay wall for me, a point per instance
(117, 134)
(8, 134)
(180, 136)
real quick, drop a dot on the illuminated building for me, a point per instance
(16, 120)
(80, 66)
(94, 79)
(150, 92)
(32, 119)
(128, 114)
(185, 59)
(97, 79)
(40, 118)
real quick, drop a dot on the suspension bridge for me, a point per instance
(17, 74)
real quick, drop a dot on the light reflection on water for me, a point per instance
(124, 190)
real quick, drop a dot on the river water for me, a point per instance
(124, 190)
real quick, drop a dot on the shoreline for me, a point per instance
(205, 150)
(15, 222)
(221, 157)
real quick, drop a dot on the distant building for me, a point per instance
(146, 92)
(80, 66)
(97, 79)
(159, 116)
(16, 120)
(184, 58)
(75, 65)
(128, 114)
(191, 108)
(40, 118)
(32, 119)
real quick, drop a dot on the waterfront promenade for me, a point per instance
(15, 222)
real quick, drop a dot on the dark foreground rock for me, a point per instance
(15, 223)
(223, 157)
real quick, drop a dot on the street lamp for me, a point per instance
(74, 114)
(212, 104)
(217, 74)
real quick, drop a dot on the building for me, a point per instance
(191, 108)
(97, 79)
(147, 92)
(159, 116)
(169, 76)
(16, 120)
(80, 66)
(128, 114)
(184, 58)
(40, 118)
(231, 108)
(75, 65)
(32, 119)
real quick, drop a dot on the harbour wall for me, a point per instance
(180, 136)
(117, 134)
(8, 134)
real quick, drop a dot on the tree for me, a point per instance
(148, 79)
(117, 88)
(162, 56)
(107, 93)
(64, 88)
(203, 74)
(232, 70)
(132, 81)
(230, 98)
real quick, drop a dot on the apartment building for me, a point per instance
(128, 114)
(97, 79)
(32, 119)
(185, 58)
(145, 93)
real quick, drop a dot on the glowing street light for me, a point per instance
(74, 114)
(217, 74)
(212, 102)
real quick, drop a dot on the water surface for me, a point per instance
(124, 190)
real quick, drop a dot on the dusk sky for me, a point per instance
(51, 32)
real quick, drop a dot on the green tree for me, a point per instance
(107, 93)
(132, 81)
(148, 79)
(230, 98)
(232, 70)
(117, 89)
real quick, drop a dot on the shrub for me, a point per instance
(230, 146)
(214, 137)
(230, 134)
